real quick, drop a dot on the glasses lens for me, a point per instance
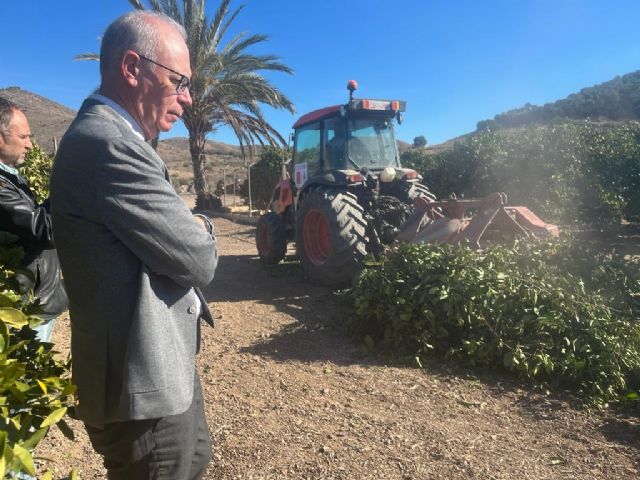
(183, 85)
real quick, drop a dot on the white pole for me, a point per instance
(224, 186)
(234, 187)
(249, 184)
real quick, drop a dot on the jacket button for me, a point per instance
(192, 309)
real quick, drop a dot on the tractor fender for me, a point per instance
(335, 179)
(283, 196)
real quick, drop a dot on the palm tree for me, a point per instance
(226, 87)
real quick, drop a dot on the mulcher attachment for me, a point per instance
(472, 221)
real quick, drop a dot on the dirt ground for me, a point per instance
(290, 396)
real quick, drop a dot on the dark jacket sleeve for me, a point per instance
(20, 215)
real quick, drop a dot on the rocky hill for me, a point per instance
(47, 119)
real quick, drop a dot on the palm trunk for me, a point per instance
(196, 147)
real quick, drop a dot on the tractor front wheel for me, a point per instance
(271, 238)
(415, 190)
(331, 237)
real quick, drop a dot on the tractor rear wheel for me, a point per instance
(331, 237)
(271, 238)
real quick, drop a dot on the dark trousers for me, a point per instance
(177, 447)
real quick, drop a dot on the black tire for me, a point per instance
(415, 190)
(331, 237)
(406, 191)
(271, 238)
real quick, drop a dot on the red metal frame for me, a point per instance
(451, 222)
(317, 240)
(286, 195)
(316, 115)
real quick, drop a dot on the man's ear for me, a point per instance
(130, 67)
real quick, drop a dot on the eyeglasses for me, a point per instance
(183, 84)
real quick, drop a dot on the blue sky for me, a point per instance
(454, 62)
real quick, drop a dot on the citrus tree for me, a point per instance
(35, 386)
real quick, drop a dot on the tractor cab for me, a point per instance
(334, 143)
(346, 194)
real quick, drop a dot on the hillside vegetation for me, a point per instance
(573, 161)
(569, 173)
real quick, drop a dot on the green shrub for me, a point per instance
(35, 387)
(37, 170)
(570, 173)
(553, 313)
(265, 175)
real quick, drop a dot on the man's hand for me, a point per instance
(206, 223)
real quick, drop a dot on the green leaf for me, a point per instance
(33, 440)
(4, 337)
(43, 387)
(13, 317)
(25, 459)
(3, 458)
(53, 417)
(6, 301)
(47, 475)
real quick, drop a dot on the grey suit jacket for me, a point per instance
(131, 254)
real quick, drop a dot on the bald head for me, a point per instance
(140, 31)
(145, 68)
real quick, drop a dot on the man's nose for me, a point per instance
(185, 97)
(28, 143)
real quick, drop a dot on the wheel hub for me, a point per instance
(317, 242)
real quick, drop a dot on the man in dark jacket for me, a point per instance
(21, 216)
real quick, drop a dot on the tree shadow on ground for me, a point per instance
(623, 429)
(318, 330)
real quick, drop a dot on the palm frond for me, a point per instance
(87, 56)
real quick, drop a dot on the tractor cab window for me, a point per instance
(307, 153)
(372, 144)
(334, 145)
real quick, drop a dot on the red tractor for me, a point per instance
(345, 195)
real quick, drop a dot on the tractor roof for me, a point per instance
(317, 115)
(368, 106)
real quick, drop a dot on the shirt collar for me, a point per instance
(8, 169)
(135, 127)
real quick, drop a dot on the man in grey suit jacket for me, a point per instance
(133, 258)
